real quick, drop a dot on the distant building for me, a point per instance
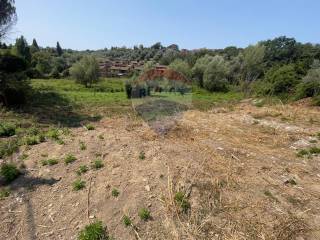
(118, 68)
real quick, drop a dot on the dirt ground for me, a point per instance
(237, 166)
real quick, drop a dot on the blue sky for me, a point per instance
(95, 24)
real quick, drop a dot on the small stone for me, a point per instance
(91, 217)
(149, 204)
(147, 188)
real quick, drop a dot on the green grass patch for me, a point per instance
(82, 146)
(7, 129)
(314, 150)
(97, 164)
(69, 159)
(126, 220)
(93, 231)
(89, 127)
(8, 147)
(142, 155)
(82, 169)
(49, 162)
(78, 185)
(9, 172)
(144, 214)
(182, 201)
(4, 193)
(115, 192)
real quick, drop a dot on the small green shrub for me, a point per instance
(82, 169)
(53, 133)
(101, 137)
(82, 146)
(115, 192)
(9, 172)
(142, 155)
(318, 135)
(302, 153)
(34, 139)
(52, 162)
(70, 159)
(4, 193)
(78, 185)
(93, 231)
(89, 127)
(182, 201)
(314, 150)
(49, 162)
(126, 221)
(144, 214)
(97, 164)
(7, 129)
(9, 147)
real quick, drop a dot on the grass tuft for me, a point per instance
(93, 231)
(82, 146)
(4, 193)
(82, 169)
(142, 155)
(9, 172)
(7, 129)
(49, 162)
(182, 201)
(70, 159)
(78, 185)
(89, 127)
(97, 164)
(126, 221)
(144, 214)
(115, 192)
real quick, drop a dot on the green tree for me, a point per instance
(8, 16)
(310, 85)
(181, 66)
(252, 62)
(215, 75)
(22, 49)
(42, 62)
(282, 80)
(86, 71)
(200, 67)
(34, 46)
(281, 50)
(59, 49)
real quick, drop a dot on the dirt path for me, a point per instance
(237, 167)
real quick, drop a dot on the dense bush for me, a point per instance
(13, 84)
(215, 75)
(9, 172)
(7, 129)
(281, 80)
(310, 85)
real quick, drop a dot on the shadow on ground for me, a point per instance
(52, 108)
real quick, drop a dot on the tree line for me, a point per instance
(280, 67)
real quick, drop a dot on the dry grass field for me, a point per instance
(234, 172)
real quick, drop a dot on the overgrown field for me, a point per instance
(78, 161)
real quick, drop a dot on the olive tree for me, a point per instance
(182, 67)
(215, 75)
(200, 67)
(86, 71)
